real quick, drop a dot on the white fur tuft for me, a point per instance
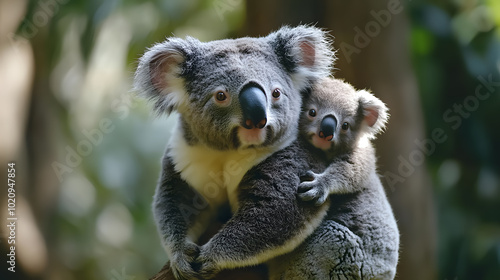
(371, 103)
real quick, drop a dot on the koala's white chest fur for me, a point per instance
(214, 174)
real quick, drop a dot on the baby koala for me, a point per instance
(341, 121)
(358, 238)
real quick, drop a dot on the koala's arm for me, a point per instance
(175, 212)
(345, 174)
(270, 221)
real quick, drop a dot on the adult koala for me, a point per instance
(238, 102)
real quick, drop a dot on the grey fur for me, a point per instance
(358, 239)
(184, 75)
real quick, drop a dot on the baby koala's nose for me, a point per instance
(327, 127)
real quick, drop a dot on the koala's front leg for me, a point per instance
(226, 249)
(175, 208)
(262, 228)
(243, 240)
(346, 174)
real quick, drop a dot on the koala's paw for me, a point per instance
(182, 260)
(208, 267)
(313, 189)
(208, 270)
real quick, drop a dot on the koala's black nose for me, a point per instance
(327, 127)
(253, 104)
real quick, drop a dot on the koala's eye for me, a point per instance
(276, 93)
(312, 113)
(220, 96)
(345, 126)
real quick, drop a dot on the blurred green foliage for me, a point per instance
(456, 45)
(87, 51)
(103, 225)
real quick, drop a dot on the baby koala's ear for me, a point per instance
(374, 111)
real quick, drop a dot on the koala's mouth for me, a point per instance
(321, 143)
(251, 137)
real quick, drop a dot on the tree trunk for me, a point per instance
(17, 68)
(247, 273)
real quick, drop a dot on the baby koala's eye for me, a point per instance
(276, 93)
(345, 126)
(220, 96)
(312, 113)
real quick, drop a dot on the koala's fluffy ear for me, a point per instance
(158, 74)
(304, 51)
(375, 113)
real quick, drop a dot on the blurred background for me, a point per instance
(87, 151)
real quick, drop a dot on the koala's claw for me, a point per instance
(312, 190)
(181, 262)
(182, 270)
(207, 266)
(208, 270)
(309, 176)
(306, 191)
